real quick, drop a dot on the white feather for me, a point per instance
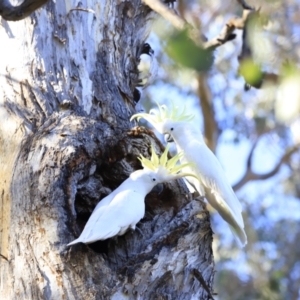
(208, 169)
(120, 210)
(125, 210)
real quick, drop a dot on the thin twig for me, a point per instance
(167, 13)
(179, 23)
(251, 175)
(244, 4)
(226, 33)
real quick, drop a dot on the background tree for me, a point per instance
(68, 73)
(66, 142)
(254, 131)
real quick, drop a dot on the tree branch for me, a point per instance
(250, 175)
(180, 24)
(16, 13)
(250, 156)
(167, 14)
(226, 33)
(244, 4)
(210, 124)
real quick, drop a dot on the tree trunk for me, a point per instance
(67, 76)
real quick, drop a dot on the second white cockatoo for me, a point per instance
(125, 206)
(212, 183)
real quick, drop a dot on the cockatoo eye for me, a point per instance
(172, 129)
(153, 179)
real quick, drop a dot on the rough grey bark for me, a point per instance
(66, 88)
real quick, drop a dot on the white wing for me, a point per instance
(217, 189)
(124, 211)
(105, 201)
(126, 185)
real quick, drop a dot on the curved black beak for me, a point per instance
(168, 138)
(151, 51)
(158, 188)
(146, 49)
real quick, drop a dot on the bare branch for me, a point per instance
(250, 175)
(180, 24)
(250, 156)
(244, 4)
(210, 124)
(226, 33)
(167, 13)
(16, 13)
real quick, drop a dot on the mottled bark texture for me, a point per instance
(67, 76)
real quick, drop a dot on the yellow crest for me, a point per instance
(163, 165)
(156, 117)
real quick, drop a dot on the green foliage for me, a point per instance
(251, 72)
(183, 50)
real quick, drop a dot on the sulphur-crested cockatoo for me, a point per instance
(177, 126)
(125, 206)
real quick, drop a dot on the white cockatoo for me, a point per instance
(125, 206)
(212, 183)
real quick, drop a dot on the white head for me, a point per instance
(171, 122)
(144, 179)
